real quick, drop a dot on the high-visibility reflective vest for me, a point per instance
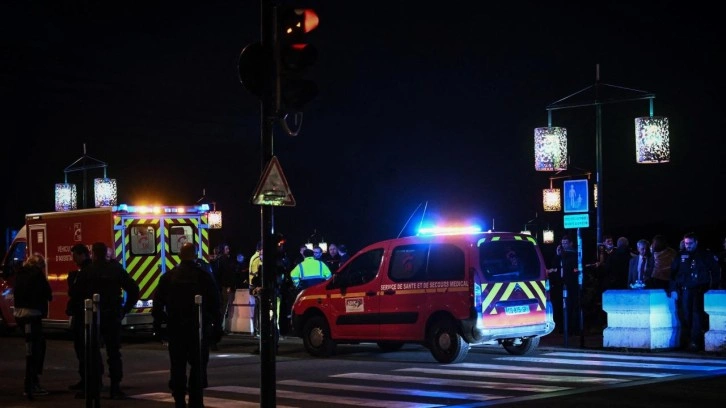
(309, 268)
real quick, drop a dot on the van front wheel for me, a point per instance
(316, 338)
(446, 344)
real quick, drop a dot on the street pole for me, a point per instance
(597, 102)
(268, 116)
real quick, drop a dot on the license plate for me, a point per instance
(515, 310)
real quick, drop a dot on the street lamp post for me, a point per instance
(652, 138)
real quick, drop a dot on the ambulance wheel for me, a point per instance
(520, 347)
(446, 344)
(316, 337)
(388, 346)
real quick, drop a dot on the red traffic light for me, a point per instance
(294, 23)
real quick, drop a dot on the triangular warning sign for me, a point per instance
(272, 188)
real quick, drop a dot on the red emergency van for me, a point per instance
(444, 288)
(144, 239)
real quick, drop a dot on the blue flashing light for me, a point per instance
(204, 207)
(471, 229)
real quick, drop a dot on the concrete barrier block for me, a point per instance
(642, 318)
(714, 303)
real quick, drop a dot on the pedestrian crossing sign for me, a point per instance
(576, 196)
(273, 189)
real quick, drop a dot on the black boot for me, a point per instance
(116, 392)
(179, 400)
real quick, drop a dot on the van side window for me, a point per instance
(446, 262)
(361, 269)
(509, 260)
(143, 240)
(424, 262)
(408, 263)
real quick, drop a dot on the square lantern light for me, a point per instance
(551, 199)
(105, 192)
(66, 198)
(550, 148)
(548, 236)
(215, 219)
(652, 140)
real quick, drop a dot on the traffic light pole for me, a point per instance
(268, 346)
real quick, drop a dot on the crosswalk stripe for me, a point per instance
(321, 398)
(520, 376)
(209, 402)
(450, 382)
(394, 391)
(601, 363)
(687, 360)
(500, 367)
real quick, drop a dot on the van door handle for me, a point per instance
(371, 293)
(389, 292)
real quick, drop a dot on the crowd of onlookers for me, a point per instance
(685, 274)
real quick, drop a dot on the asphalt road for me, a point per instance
(349, 376)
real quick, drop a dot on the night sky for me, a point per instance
(419, 107)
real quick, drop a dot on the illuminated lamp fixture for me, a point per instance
(526, 231)
(651, 139)
(105, 192)
(551, 199)
(550, 148)
(323, 245)
(65, 197)
(548, 236)
(594, 194)
(309, 245)
(215, 217)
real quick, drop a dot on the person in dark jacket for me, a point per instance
(695, 271)
(32, 294)
(565, 275)
(82, 258)
(174, 306)
(108, 279)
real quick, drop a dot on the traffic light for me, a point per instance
(295, 56)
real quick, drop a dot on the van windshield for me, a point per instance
(508, 261)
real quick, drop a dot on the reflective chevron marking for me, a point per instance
(321, 398)
(448, 382)
(394, 391)
(498, 367)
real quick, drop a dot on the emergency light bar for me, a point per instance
(472, 229)
(147, 209)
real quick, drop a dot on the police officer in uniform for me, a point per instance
(107, 278)
(695, 271)
(174, 306)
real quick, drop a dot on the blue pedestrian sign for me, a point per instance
(576, 197)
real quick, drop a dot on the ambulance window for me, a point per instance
(178, 235)
(143, 240)
(408, 263)
(446, 262)
(509, 260)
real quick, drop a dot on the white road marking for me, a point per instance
(331, 399)
(599, 363)
(395, 391)
(456, 383)
(530, 369)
